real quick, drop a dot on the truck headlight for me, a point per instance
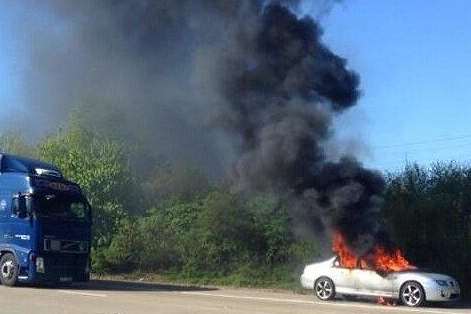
(40, 265)
(83, 246)
(441, 283)
(87, 267)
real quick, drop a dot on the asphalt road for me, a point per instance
(118, 297)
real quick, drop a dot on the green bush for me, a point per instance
(219, 237)
(13, 142)
(100, 166)
(428, 212)
(170, 218)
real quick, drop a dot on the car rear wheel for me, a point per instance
(412, 294)
(8, 270)
(324, 289)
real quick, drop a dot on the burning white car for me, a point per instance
(412, 287)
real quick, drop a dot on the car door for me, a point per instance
(343, 279)
(370, 282)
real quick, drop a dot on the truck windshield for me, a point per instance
(62, 208)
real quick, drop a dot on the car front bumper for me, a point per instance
(442, 294)
(307, 282)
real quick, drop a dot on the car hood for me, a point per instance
(424, 275)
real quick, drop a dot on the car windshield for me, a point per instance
(62, 207)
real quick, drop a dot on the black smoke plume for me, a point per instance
(282, 99)
(245, 85)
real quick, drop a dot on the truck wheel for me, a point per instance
(9, 270)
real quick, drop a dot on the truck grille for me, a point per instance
(65, 246)
(454, 296)
(59, 265)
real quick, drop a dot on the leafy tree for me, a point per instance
(428, 211)
(99, 165)
(181, 223)
(225, 231)
(273, 228)
(176, 181)
(124, 252)
(13, 142)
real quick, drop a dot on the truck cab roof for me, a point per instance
(12, 163)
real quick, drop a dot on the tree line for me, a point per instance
(173, 219)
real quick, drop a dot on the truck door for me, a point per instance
(5, 212)
(18, 232)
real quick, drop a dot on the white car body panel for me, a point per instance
(369, 283)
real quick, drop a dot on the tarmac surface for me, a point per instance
(120, 297)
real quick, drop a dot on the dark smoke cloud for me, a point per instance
(282, 104)
(134, 59)
(245, 85)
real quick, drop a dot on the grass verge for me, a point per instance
(245, 277)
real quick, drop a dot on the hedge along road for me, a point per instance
(113, 297)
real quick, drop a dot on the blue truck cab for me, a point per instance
(45, 224)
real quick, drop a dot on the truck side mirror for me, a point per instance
(21, 206)
(29, 205)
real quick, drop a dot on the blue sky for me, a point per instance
(414, 58)
(9, 64)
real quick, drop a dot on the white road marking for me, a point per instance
(86, 294)
(247, 297)
(364, 306)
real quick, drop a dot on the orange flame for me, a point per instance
(379, 259)
(389, 261)
(386, 301)
(339, 246)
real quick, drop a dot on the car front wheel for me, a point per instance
(412, 294)
(324, 289)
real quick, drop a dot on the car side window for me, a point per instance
(364, 265)
(336, 262)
